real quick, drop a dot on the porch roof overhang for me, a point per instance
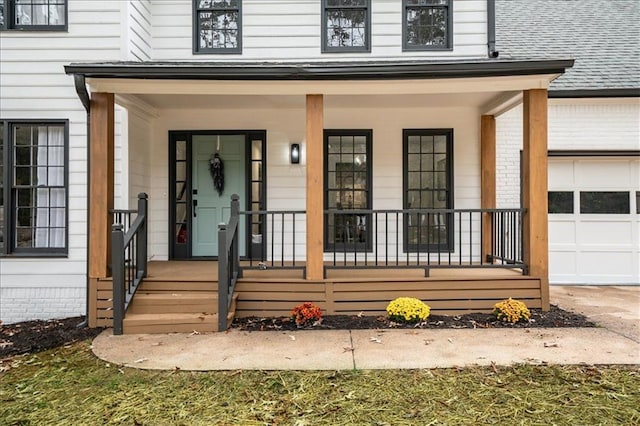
(351, 70)
(497, 82)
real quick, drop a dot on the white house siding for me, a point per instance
(34, 86)
(286, 182)
(290, 30)
(138, 36)
(598, 249)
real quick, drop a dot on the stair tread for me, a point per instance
(142, 294)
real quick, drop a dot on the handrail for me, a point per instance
(128, 261)
(228, 262)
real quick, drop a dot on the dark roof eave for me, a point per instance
(322, 71)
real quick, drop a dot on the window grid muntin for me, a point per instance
(220, 8)
(443, 7)
(354, 145)
(10, 19)
(341, 6)
(422, 231)
(18, 196)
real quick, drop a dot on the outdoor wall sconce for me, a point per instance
(295, 153)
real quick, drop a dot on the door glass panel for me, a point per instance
(348, 176)
(427, 185)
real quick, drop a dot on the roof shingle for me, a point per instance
(602, 36)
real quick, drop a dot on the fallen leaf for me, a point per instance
(138, 361)
(348, 349)
(194, 333)
(375, 340)
(550, 345)
(292, 337)
(360, 314)
(450, 340)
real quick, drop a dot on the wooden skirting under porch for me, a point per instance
(181, 296)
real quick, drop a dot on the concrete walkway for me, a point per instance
(616, 341)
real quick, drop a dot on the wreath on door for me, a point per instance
(216, 168)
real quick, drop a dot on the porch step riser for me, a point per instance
(174, 313)
(176, 286)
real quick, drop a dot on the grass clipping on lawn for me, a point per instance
(70, 386)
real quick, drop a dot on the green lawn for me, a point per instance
(70, 386)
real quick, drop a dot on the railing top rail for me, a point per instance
(249, 212)
(370, 211)
(230, 228)
(135, 226)
(123, 211)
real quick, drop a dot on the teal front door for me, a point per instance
(209, 208)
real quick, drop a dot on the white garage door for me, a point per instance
(594, 220)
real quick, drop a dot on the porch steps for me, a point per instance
(175, 307)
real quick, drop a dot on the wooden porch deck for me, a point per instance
(207, 270)
(181, 296)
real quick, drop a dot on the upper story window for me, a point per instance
(346, 25)
(217, 26)
(45, 15)
(33, 187)
(427, 24)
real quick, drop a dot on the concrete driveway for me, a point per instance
(616, 308)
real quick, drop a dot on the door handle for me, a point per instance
(195, 205)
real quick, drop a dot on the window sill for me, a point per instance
(35, 256)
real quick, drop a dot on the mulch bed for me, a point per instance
(556, 317)
(35, 336)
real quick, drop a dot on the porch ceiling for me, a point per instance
(490, 85)
(170, 101)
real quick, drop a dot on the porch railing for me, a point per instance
(284, 229)
(228, 262)
(423, 238)
(128, 258)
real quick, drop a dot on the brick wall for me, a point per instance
(573, 124)
(22, 304)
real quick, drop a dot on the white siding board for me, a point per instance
(34, 86)
(291, 30)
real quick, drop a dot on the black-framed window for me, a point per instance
(428, 185)
(605, 202)
(347, 183)
(217, 26)
(427, 24)
(346, 25)
(560, 202)
(33, 185)
(48, 15)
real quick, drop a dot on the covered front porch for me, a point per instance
(350, 243)
(183, 295)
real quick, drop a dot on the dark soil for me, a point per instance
(35, 336)
(556, 317)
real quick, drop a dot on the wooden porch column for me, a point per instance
(534, 188)
(315, 187)
(487, 178)
(101, 167)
